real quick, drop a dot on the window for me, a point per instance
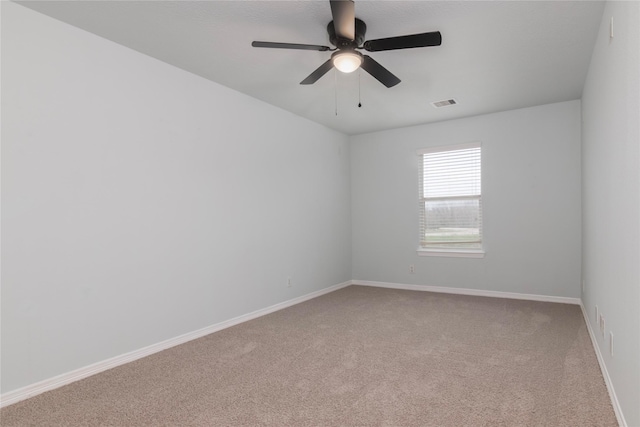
(451, 201)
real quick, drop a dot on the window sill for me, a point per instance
(455, 253)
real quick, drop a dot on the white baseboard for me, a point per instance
(607, 379)
(26, 392)
(23, 393)
(463, 291)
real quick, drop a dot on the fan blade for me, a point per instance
(290, 46)
(404, 42)
(380, 73)
(319, 72)
(344, 18)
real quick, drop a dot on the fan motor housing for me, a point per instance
(361, 30)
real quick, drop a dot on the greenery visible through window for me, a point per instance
(451, 197)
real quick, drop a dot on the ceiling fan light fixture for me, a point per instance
(347, 62)
(347, 33)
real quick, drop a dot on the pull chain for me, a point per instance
(335, 85)
(359, 98)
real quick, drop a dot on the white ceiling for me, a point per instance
(495, 56)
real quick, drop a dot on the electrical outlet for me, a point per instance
(611, 343)
(611, 28)
(600, 323)
(412, 268)
(288, 282)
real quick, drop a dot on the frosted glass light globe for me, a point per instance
(347, 62)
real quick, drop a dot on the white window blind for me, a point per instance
(451, 197)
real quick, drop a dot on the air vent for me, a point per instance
(444, 103)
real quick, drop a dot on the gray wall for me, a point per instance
(531, 203)
(611, 198)
(140, 202)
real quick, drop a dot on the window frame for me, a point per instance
(464, 252)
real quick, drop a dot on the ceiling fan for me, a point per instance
(346, 33)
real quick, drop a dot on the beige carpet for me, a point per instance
(359, 356)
